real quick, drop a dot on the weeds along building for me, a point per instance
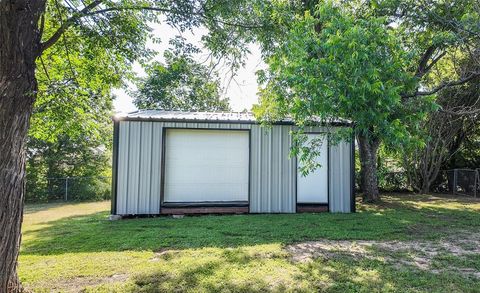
(171, 162)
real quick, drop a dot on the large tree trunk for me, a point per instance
(19, 48)
(368, 173)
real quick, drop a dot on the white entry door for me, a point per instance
(206, 165)
(313, 188)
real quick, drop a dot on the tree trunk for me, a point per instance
(368, 173)
(19, 48)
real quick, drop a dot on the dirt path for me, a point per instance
(75, 285)
(418, 254)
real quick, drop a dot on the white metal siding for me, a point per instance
(122, 167)
(340, 174)
(272, 172)
(139, 154)
(134, 166)
(146, 169)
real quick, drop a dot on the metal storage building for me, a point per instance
(172, 162)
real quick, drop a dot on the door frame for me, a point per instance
(206, 204)
(321, 206)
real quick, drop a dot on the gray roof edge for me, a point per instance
(208, 117)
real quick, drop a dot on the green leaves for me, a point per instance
(180, 84)
(353, 68)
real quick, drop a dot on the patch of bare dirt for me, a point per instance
(78, 284)
(164, 254)
(418, 254)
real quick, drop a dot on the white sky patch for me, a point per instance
(241, 91)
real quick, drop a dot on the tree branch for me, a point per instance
(421, 70)
(434, 61)
(158, 9)
(120, 8)
(45, 69)
(461, 112)
(42, 25)
(87, 11)
(68, 23)
(442, 86)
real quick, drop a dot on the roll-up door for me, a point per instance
(206, 165)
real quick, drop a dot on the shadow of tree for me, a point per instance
(389, 220)
(345, 273)
(197, 280)
(223, 272)
(219, 270)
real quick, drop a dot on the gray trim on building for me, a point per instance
(340, 176)
(328, 174)
(165, 130)
(352, 174)
(213, 117)
(114, 167)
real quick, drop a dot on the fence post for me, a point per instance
(455, 181)
(476, 184)
(66, 189)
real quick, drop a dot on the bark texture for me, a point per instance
(19, 48)
(368, 173)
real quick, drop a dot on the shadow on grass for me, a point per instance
(348, 274)
(233, 270)
(224, 273)
(389, 220)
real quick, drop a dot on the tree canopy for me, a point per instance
(378, 63)
(180, 84)
(352, 68)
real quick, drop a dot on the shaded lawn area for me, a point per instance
(74, 247)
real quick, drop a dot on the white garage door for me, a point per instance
(313, 188)
(206, 165)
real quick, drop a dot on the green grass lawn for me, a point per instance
(408, 243)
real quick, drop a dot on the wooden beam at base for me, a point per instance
(203, 210)
(312, 208)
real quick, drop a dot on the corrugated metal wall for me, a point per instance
(272, 172)
(340, 174)
(139, 162)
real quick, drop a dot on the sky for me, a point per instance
(242, 91)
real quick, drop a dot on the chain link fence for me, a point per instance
(460, 181)
(69, 189)
(456, 181)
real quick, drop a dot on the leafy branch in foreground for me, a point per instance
(353, 68)
(426, 33)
